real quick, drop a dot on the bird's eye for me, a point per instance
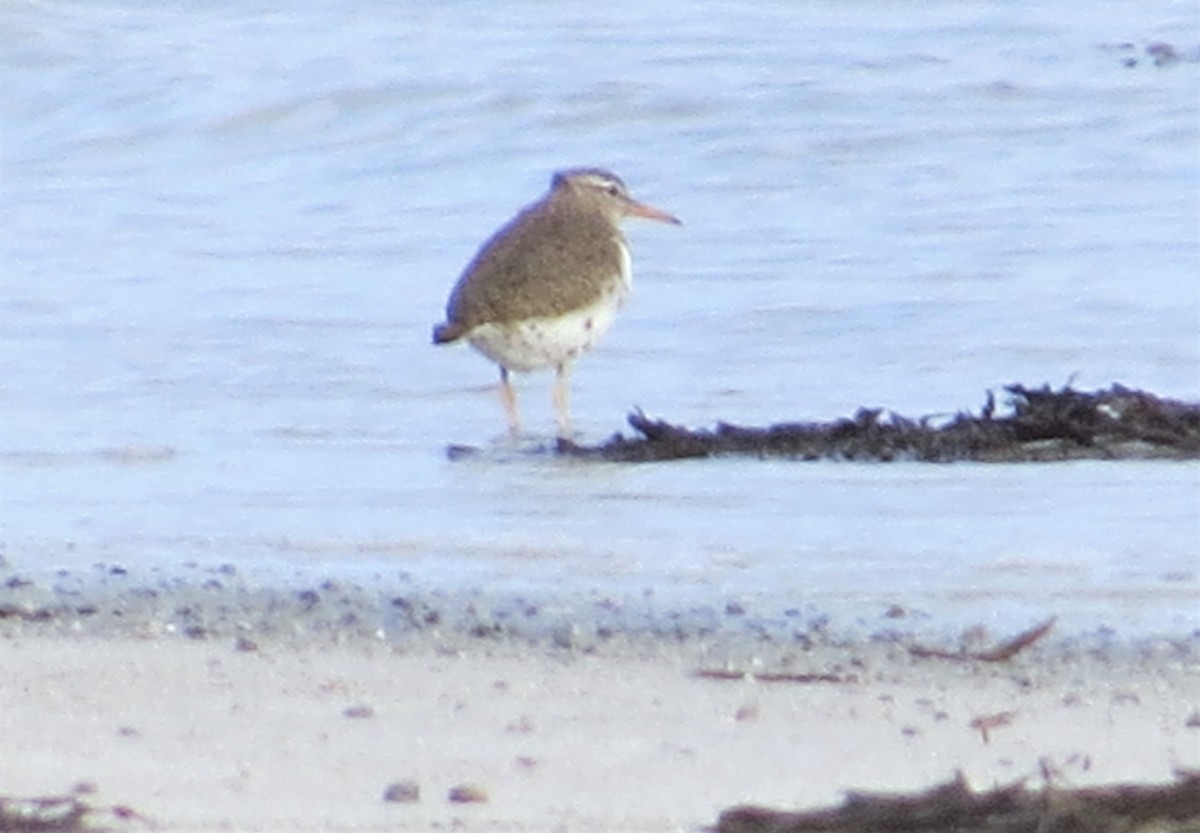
(614, 191)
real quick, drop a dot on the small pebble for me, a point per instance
(1162, 53)
(358, 712)
(467, 794)
(402, 792)
(566, 636)
(523, 725)
(746, 713)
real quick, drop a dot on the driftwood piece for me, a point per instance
(954, 808)
(1006, 650)
(772, 676)
(1043, 425)
(984, 724)
(65, 814)
(48, 813)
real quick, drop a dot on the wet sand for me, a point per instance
(294, 727)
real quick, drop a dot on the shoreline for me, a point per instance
(326, 605)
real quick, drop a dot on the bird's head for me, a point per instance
(604, 191)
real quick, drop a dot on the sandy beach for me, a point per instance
(638, 734)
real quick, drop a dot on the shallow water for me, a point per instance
(228, 232)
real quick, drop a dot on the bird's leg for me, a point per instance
(508, 398)
(562, 399)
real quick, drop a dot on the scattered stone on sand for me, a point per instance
(1044, 425)
(402, 792)
(467, 794)
(955, 808)
(359, 712)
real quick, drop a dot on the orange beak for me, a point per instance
(639, 209)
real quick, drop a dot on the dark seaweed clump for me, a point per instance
(1042, 425)
(954, 808)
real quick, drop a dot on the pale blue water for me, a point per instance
(228, 228)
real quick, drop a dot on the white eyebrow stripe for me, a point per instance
(599, 181)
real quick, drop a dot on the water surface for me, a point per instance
(229, 229)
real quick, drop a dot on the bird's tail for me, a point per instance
(448, 332)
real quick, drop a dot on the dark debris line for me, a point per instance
(1044, 425)
(955, 808)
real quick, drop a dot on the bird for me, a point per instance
(546, 286)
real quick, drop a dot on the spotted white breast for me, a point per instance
(549, 342)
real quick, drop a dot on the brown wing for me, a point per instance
(545, 262)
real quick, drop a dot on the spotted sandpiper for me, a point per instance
(548, 284)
